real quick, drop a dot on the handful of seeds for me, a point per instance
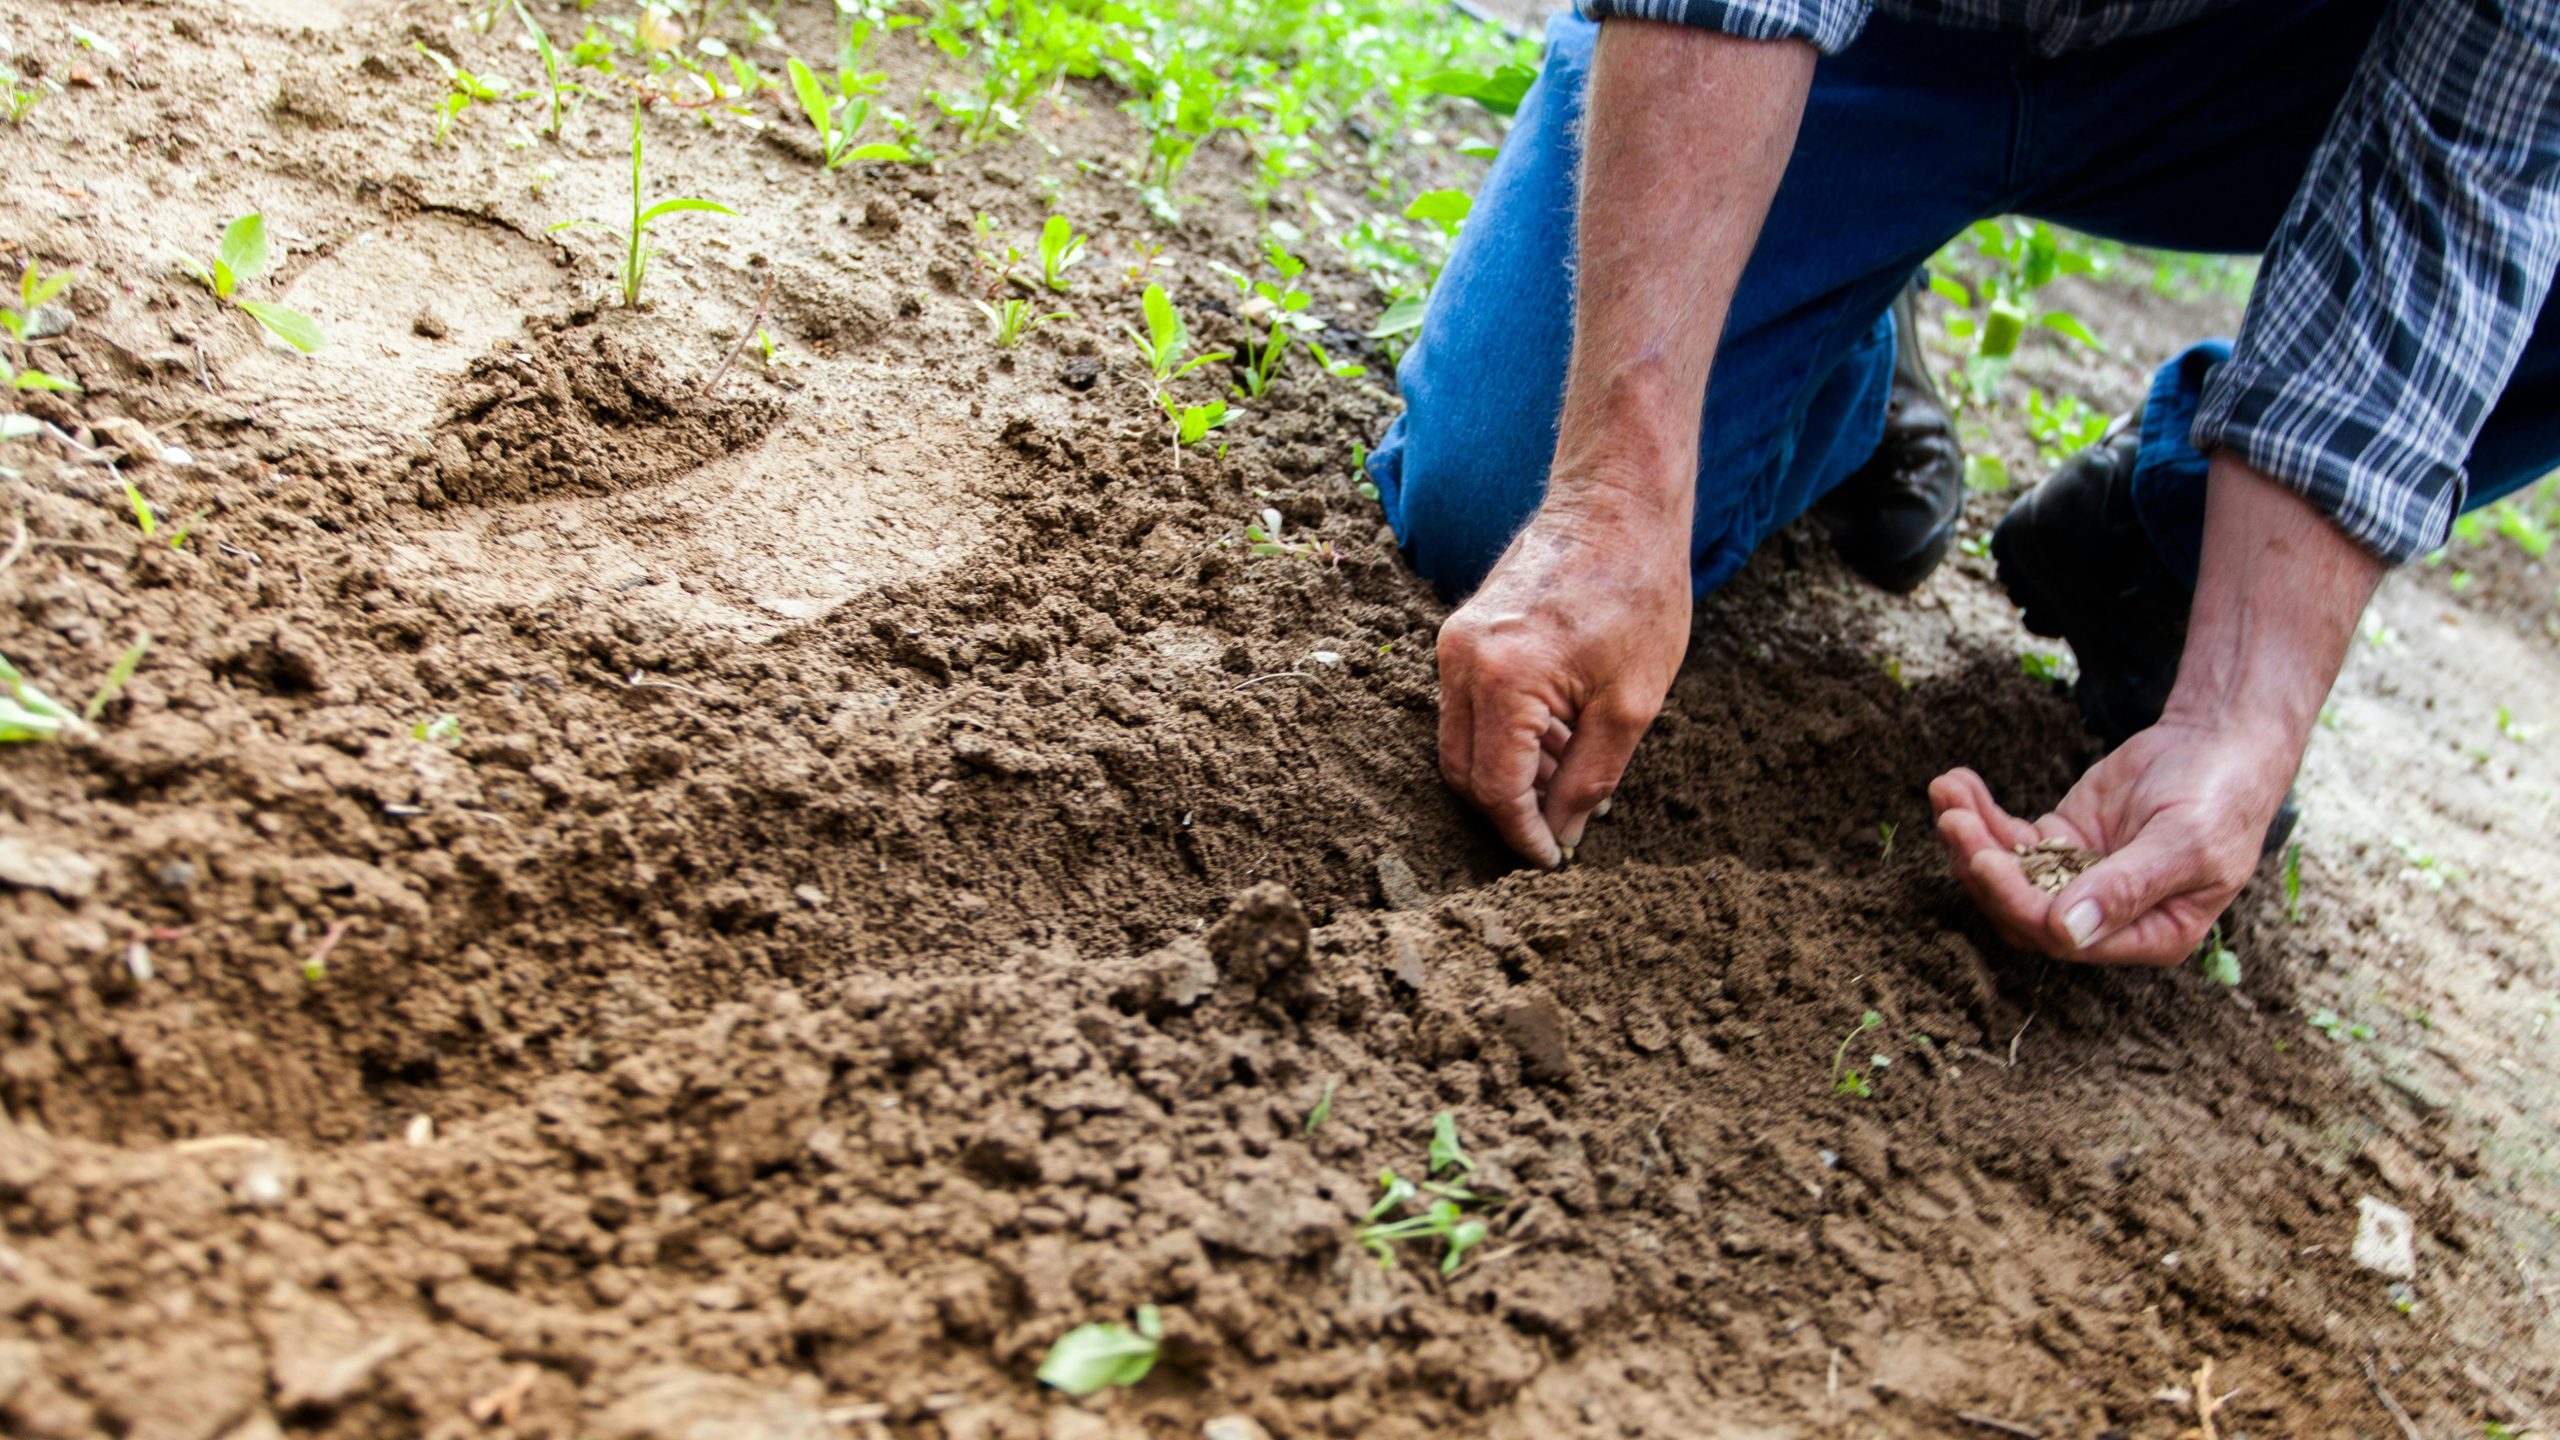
(2055, 862)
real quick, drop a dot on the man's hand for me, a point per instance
(1549, 675)
(1551, 672)
(2180, 810)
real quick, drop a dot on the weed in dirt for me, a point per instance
(1323, 1110)
(441, 730)
(1104, 1354)
(2423, 869)
(1166, 340)
(2293, 883)
(2049, 668)
(34, 289)
(1884, 842)
(636, 251)
(1283, 304)
(1446, 1153)
(2338, 1027)
(553, 65)
(19, 96)
(2064, 428)
(1011, 319)
(1444, 1219)
(2216, 961)
(1844, 1079)
(2010, 260)
(463, 89)
(28, 713)
(1192, 423)
(1060, 249)
(241, 259)
(2513, 729)
(1367, 488)
(840, 116)
(1263, 537)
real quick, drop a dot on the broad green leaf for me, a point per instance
(1445, 1150)
(1404, 315)
(881, 150)
(1499, 92)
(813, 100)
(244, 247)
(1093, 1357)
(2220, 965)
(1951, 290)
(38, 380)
(1986, 472)
(2069, 324)
(291, 326)
(33, 292)
(1444, 208)
(680, 204)
(1164, 326)
(541, 39)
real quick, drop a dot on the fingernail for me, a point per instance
(1601, 810)
(2082, 921)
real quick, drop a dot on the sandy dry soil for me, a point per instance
(906, 874)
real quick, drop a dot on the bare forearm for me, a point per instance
(1688, 133)
(2278, 596)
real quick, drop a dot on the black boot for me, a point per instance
(1893, 519)
(2076, 560)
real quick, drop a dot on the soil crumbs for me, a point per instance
(903, 880)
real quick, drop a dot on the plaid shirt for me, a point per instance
(2401, 285)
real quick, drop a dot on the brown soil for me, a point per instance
(906, 875)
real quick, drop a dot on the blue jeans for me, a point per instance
(2191, 139)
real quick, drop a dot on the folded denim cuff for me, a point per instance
(1828, 25)
(2371, 475)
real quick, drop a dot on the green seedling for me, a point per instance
(839, 117)
(146, 518)
(2020, 257)
(1264, 537)
(1284, 304)
(34, 288)
(1499, 91)
(28, 713)
(553, 64)
(1060, 249)
(636, 249)
(19, 96)
(1443, 1220)
(464, 90)
(117, 674)
(1446, 1153)
(1367, 488)
(1013, 319)
(1446, 210)
(2051, 669)
(2513, 729)
(1323, 1110)
(2063, 429)
(2293, 883)
(2216, 961)
(2339, 1028)
(241, 259)
(1844, 1080)
(2424, 868)
(1191, 423)
(1884, 838)
(1166, 340)
(1107, 1353)
(442, 730)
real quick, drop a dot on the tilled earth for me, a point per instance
(907, 874)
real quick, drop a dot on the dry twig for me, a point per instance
(2373, 1377)
(1995, 1423)
(499, 1406)
(754, 323)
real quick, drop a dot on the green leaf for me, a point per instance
(1951, 290)
(143, 515)
(291, 326)
(2000, 330)
(2069, 324)
(681, 204)
(1402, 316)
(1499, 92)
(244, 247)
(882, 150)
(1093, 1357)
(1986, 472)
(1164, 326)
(1445, 1150)
(117, 675)
(1444, 208)
(38, 380)
(813, 101)
(31, 705)
(1324, 1107)
(33, 291)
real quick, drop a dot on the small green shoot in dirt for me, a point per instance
(1060, 249)
(1264, 537)
(1884, 839)
(19, 96)
(1167, 340)
(117, 675)
(1324, 1108)
(553, 62)
(1283, 304)
(442, 730)
(2339, 1028)
(1192, 423)
(636, 251)
(2514, 729)
(241, 259)
(34, 288)
(839, 117)
(1446, 1152)
(1845, 1080)
(2051, 669)
(27, 713)
(1367, 488)
(2216, 961)
(1443, 1220)
(2425, 870)
(1010, 320)
(2293, 883)
(463, 90)
(1104, 1354)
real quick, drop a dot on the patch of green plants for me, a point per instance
(838, 113)
(463, 89)
(1445, 1218)
(2062, 428)
(2338, 1027)
(241, 258)
(441, 730)
(1264, 536)
(34, 289)
(1845, 1078)
(635, 238)
(1012, 318)
(2009, 261)
(1105, 1354)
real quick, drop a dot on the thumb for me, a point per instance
(1604, 739)
(2122, 888)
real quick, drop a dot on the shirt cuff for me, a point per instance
(1828, 25)
(2391, 494)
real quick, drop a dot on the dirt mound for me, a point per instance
(576, 409)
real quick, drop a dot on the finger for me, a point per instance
(1457, 719)
(1558, 736)
(2116, 898)
(1504, 779)
(1963, 788)
(1604, 739)
(1546, 770)
(1990, 873)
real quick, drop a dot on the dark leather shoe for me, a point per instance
(2075, 558)
(1893, 519)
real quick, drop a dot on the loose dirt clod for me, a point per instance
(2053, 862)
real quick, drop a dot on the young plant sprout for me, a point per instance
(442, 730)
(27, 713)
(243, 258)
(34, 289)
(1166, 340)
(553, 62)
(1012, 319)
(2217, 961)
(1264, 537)
(839, 117)
(1192, 423)
(1060, 248)
(636, 251)
(1107, 1353)
(1444, 1219)
(1844, 1079)
(464, 89)
(15, 102)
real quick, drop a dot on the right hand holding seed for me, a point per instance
(1551, 671)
